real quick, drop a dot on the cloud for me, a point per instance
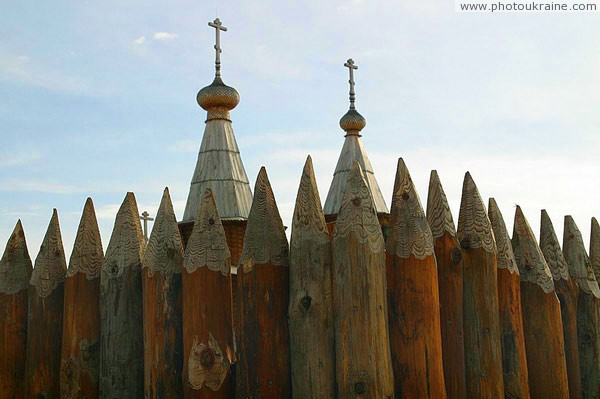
(139, 41)
(165, 36)
(15, 185)
(185, 146)
(19, 158)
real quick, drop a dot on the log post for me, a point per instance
(121, 338)
(311, 304)
(450, 280)
(514, 359)
(483, 353)
(15, 272)
(363, 359)
(80, 359)
(588, 306)
(568, 293)
(541, 316)
(45, 320)
(161, 288)
(208, 338)
(263, 370)
(413, 296)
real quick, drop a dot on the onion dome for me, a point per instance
(218, 97)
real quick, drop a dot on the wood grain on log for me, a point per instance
(541, 316)
(363, 359)
(121, 338)
(483, 353)
(208, 339)
(514, 359)
(413, 296)
(45, 320)
(588, 309)
(450, 280)
(15, 272)
(263, 370)
(161, 288)
(311, 303)
(80, 359)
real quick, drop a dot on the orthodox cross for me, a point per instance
(218, 28)
(146, 217)
(351, 67)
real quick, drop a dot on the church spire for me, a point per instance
(219, 166)
(353, 151)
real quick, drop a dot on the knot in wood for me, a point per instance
(465, 243)
(356, 201)
(360, 387)
(456, 256)
(170, 253)
(57, 253)
(405, 196)
(114, 269)
(211, 221)
(306, 302)
(207, 358)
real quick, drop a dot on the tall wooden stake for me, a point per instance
(483, 353)
(311, 303)
(121, 339)
(45, 321)
(80, 360)
(514, 360)
(568, 293)
(413, 296)
(263, 370)
(450, 280)
(208, 338)
(363, 359)
(161, 288)
(588, 309)
(15, 272)
(541, 316)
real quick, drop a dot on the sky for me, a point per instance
(98, 98)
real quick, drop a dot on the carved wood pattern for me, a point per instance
(595, 247)
(576, 256)
(506, 257)
(207, 245)
(265, 240)
(474, 227)
(50, 264)
(550, 247)
(208, 365)
(87, 255)
(15, 265)
(164, 252)
(409, 232)
(439, 215)
(528, 255)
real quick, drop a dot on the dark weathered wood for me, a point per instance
(541, 316)
(413, 297)
(514, 359)
(263, 370)
(45, 319)
(80, 359)
(208, 339)
(15, 272)
(483, 353)
(161, 288)
(568, 293)
(363, 359)
(588, 309)
(450, 280)
(121, 338)
(311, 304)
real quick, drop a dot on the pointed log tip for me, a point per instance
(595, 247)
(308, 166)
(308, 221)
(506, 256)
(474, 227)
(439, 215)
(87, 255)
(50, 263)
(577, 258)
(550, 247)
(529, 256)
(15, 265)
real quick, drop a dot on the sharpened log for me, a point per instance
(80, 359)
(208, 339)
(483, 353)
(413, 296)
(363, 359)
(161, 288)
(311, 304)
(263, 370)
(15, 272)
(514, 359)
(541, 316)
(45, 321)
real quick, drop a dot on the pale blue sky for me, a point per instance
(98, 98)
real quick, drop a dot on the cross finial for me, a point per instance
(146, 218)
(218, 28)
(351, 67)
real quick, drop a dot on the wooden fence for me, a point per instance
(428, 311)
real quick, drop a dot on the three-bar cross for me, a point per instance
(351, 67)
(218, 28)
